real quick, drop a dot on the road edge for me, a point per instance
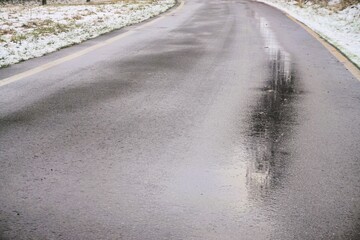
(339, 55)
(3, 82)
(336, 52)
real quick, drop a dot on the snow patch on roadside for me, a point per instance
(28, 32)
(342, 28)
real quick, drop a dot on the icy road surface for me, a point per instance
(210, 123)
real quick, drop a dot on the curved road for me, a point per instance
(222, 120)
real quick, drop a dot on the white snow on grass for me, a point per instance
(32, 31)
(340, 28)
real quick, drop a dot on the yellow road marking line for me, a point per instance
(61, 60)
(54, 63)
(335, 52)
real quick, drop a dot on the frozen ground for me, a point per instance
(32, 31)
(340, 28)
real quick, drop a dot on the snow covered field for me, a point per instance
(32, 31)
(340, 28)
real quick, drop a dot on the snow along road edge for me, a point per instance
(17, 77)
(37, 31)
(340, 56)
(336, 52)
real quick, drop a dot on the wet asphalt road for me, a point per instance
(224, 120)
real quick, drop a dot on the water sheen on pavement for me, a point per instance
(224, 120)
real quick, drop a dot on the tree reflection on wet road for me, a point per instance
(223, 120)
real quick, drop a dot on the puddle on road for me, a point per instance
(271, 119)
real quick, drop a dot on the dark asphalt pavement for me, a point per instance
(223, 120)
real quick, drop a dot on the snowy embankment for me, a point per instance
(32, 31)
(340, 28)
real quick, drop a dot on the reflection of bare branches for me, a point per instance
(259, 170)
(272, 116)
